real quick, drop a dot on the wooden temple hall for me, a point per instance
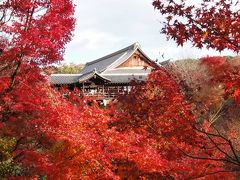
(110, 75)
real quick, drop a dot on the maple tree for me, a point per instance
(51, 136)
(44, 133)
(33, 33)
(205, 23)
(168, 140)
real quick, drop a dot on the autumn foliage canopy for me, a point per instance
(205, 23)
(168, 128)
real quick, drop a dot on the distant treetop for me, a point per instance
(69, 69)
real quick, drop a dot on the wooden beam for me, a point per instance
(83, 89)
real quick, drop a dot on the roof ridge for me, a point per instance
(134, 45)
(66, 74)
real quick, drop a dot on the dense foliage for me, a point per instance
(168, 128)
(205, 23)
(179, 131)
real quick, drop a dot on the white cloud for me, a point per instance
(92, 40)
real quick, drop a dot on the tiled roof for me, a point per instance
(64, 78)
(108, 78)
(103, 63)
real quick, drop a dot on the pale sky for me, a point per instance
(105, 26)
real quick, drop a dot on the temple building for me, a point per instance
(110, 75)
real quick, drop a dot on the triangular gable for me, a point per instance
(137, 60)
(93, 77)
(118, 58)
(136, 53)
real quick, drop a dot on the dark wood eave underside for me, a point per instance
(93, 76)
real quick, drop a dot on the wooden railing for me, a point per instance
(105, 92)
(107, 95)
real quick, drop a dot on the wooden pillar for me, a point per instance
(103, 90)
(97, 91)
(83, 89)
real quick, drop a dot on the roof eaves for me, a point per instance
(103, 77)
(117, 63)
(87, 76)
(65, 75)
